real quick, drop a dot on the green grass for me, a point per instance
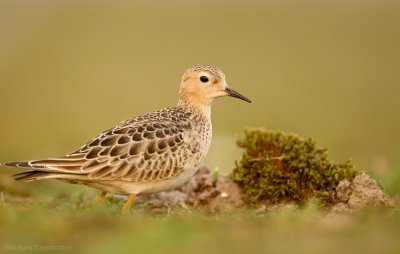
(94, 229)
(54, 214)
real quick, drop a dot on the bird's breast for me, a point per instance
(201, 141)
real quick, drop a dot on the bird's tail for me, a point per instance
(45, 169)
(23, 164)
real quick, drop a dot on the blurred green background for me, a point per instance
(70, 69)
(323, 69)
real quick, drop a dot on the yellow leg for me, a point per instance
(101, 197)
(127, 205)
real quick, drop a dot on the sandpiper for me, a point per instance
(150, 153)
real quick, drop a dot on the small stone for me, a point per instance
(224, 195)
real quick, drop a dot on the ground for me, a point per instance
(70, 221)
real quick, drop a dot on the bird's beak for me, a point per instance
(233, 93)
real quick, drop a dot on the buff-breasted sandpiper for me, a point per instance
(150, 153)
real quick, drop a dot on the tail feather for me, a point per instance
(66, 164)
(29, 176)
(34, 175)
(55, 168)
(23, 164)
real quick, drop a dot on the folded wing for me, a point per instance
(134, 151)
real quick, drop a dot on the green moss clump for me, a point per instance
(279, 168)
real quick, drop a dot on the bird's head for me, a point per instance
(201, 84)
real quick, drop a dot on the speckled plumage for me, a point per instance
(149, 153)
(153, 147)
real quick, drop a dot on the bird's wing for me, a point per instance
(134, 151)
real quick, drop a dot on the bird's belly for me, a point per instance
(160, 185)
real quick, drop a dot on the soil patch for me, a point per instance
(208, 192)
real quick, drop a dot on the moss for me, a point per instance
(277, 167)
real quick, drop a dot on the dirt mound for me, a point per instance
(205, 191)
(220, 193)
(361, 192)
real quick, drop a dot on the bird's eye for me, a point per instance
(204, 79)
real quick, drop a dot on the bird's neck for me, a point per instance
(203, 109)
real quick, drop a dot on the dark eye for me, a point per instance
(204, 79)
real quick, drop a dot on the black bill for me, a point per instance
(235, 94)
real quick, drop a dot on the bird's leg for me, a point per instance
(101, 197)
(127, 205)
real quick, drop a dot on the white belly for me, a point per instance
(158, 186)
